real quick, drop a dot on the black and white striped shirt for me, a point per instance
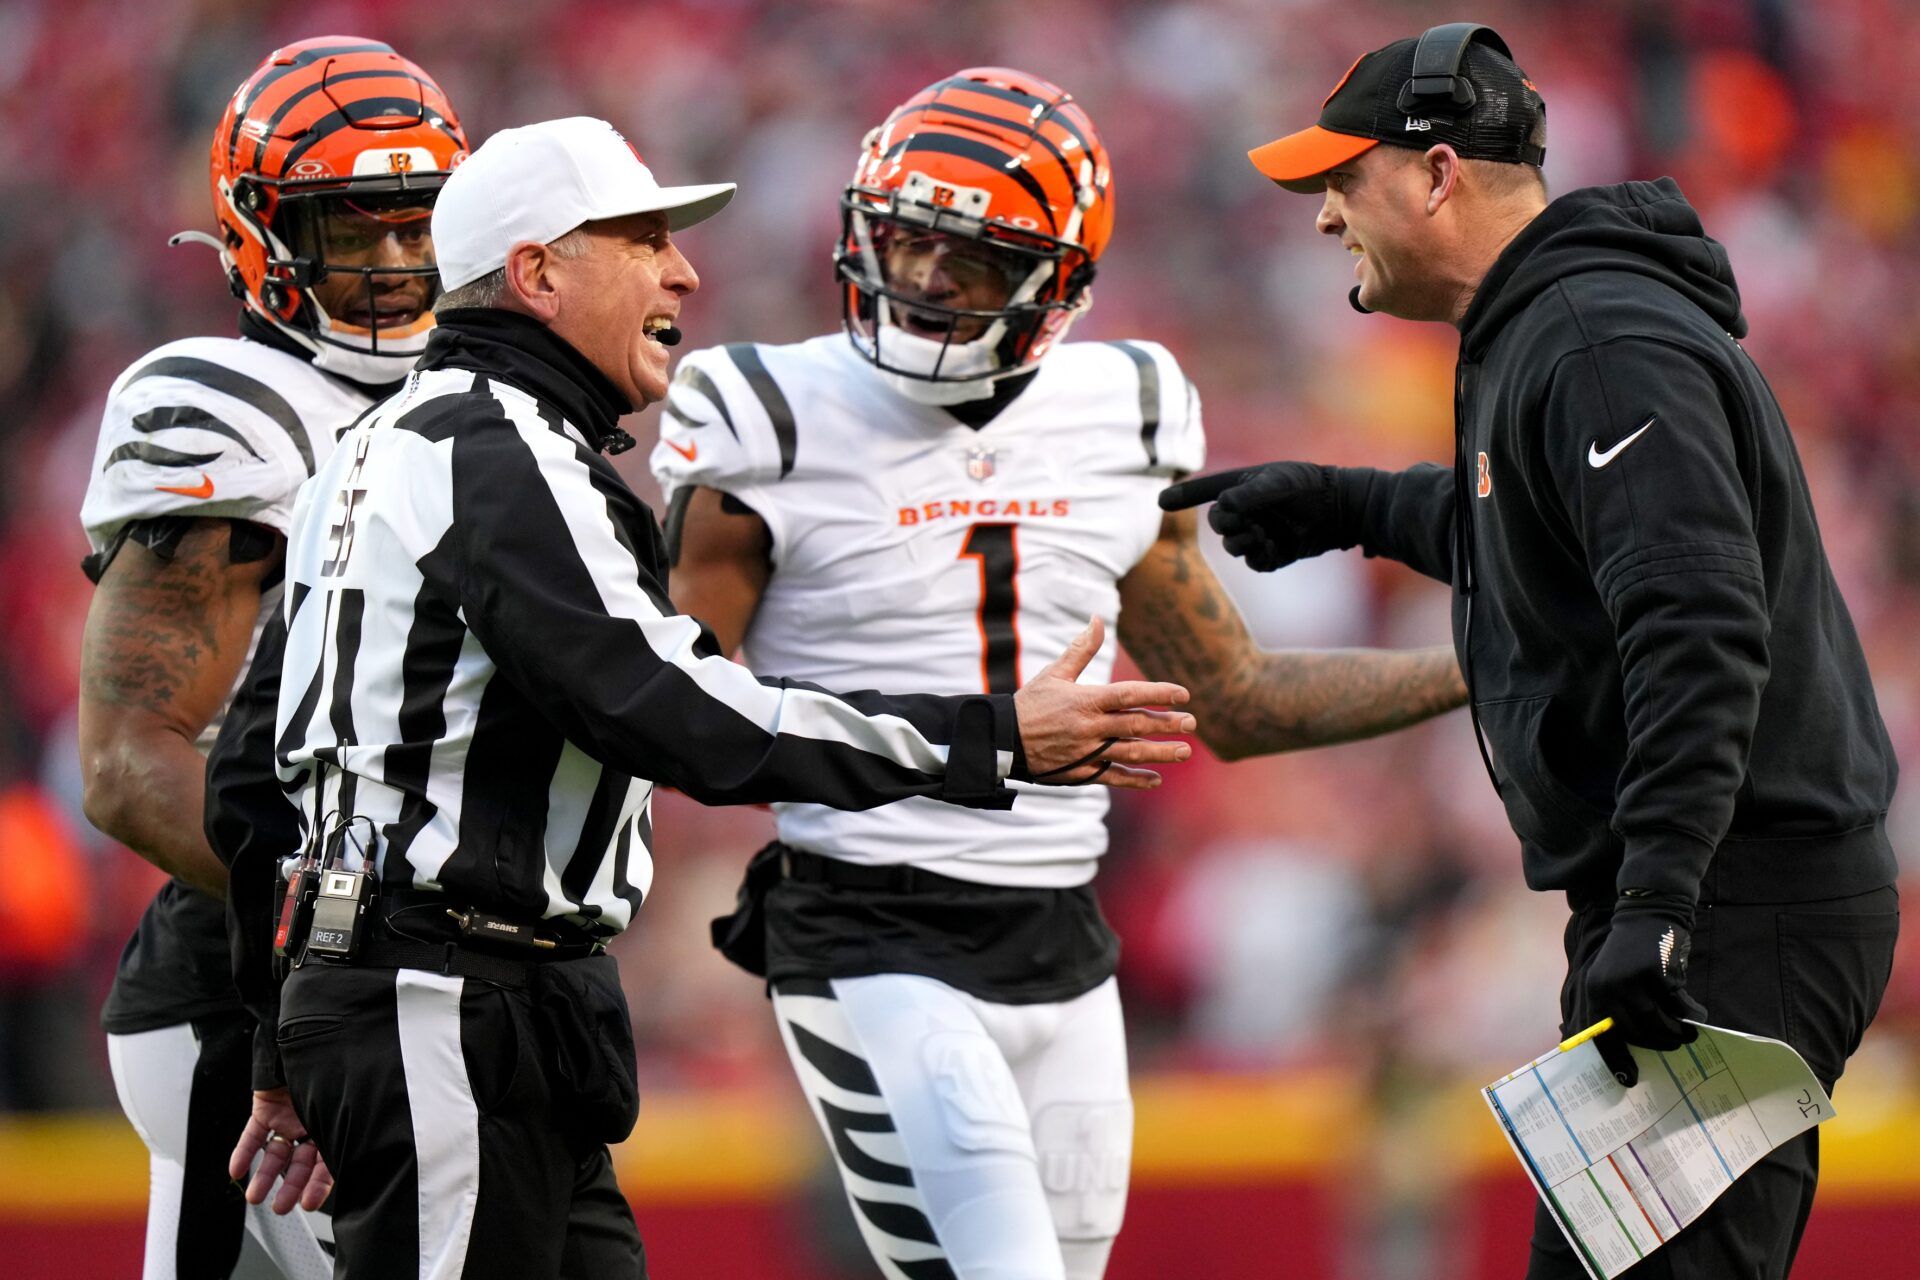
(481, 657)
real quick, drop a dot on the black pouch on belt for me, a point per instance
(742, 936)
(588, 1041)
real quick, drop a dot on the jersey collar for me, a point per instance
(520, 350)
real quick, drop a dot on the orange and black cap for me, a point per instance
(1376, 102)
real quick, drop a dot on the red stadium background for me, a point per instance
(1325, 954)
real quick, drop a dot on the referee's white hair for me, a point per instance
(490, 290)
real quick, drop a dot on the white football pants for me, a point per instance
(154, 1074)
(978, 1141)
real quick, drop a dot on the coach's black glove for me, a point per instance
(1638, 978)
(1275, 514)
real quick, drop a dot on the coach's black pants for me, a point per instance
(430, 1099)
(1808, 973)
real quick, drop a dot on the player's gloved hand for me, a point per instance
(1273, 515)
(1638, 978)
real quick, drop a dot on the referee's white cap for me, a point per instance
(540, 181)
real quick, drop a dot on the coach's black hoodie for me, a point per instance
(1666, 676)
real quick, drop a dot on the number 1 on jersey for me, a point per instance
(997, 547)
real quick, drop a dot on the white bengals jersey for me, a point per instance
(912, 553)
(226, 428)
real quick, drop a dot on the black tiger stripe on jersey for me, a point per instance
(186, 417)
(156, 455)
(697, 378)
(746, 357)
(232, 382)
(1149, 398)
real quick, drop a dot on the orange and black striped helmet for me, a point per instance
(1005, 170)
(324, 125)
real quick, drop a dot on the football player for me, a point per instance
(324, 170)
(925, 502)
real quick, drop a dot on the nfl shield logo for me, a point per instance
(980, 462)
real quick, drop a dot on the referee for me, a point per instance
(1669, 691)
(483, 679)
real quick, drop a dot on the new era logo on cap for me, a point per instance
(1366, 108)
(540, 181)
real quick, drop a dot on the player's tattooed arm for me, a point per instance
(165, 641)
(721, 562)
(1178, 624)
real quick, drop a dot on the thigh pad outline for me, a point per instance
(979, 1101)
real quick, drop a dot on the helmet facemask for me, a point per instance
(350, 274)
(944, 300)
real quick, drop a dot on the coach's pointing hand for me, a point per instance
(1275, 514)
(1074, 733)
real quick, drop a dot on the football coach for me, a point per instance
(1667, 688)
(483, 680)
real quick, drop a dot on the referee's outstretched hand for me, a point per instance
(274, 1134)
(1079, 733)
(1272, 515)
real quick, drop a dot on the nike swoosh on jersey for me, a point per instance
(1596, 459)
(691, 453)
(202, 490)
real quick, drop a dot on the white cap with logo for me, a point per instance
(539, 182)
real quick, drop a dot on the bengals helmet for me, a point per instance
(1002, 177)
(331, 131)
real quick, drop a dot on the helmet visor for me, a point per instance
(365, 260)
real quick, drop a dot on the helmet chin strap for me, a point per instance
(364, 366)
(939, 394)
(965, 368)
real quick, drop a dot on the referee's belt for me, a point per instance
(414, 930)
(811, 868)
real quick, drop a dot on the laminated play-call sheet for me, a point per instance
(1624, 1169)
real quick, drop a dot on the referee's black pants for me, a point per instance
(430, 1099)
(1808, 973)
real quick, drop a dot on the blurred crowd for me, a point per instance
(1362, 904)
